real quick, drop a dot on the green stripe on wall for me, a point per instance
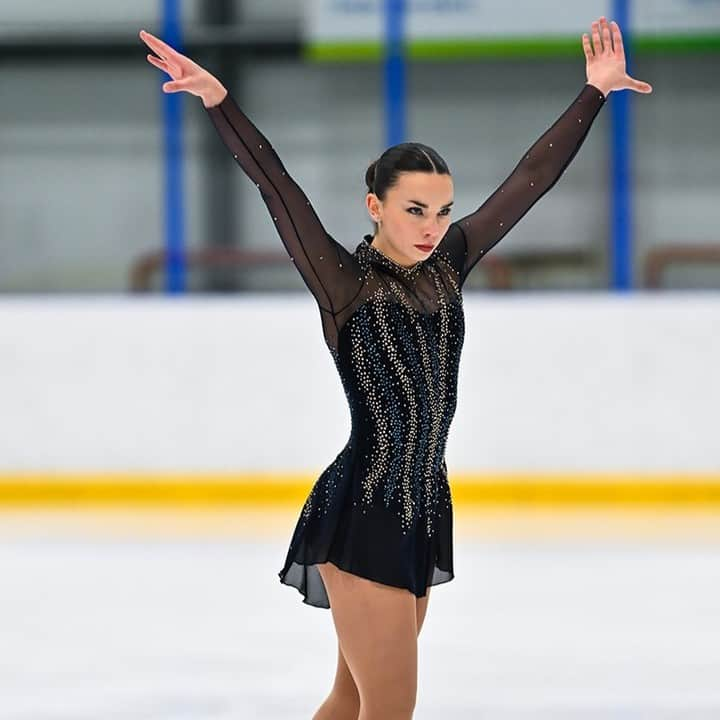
(508, 47)
(282, 490)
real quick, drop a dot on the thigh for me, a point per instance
(344, 685)
(421, 605)
(377, 631)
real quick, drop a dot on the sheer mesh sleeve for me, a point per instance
(328, 269)
(470, 237)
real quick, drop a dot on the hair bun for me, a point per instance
(370, 176)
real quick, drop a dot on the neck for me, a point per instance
(379, 243)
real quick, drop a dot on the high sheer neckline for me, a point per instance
(387, 261)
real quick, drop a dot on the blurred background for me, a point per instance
(84, 127)
(168, 400)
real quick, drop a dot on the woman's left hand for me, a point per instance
(606, 66)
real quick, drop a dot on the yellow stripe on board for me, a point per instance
(202, 489)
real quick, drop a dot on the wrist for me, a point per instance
(214, 95)
(601, 86)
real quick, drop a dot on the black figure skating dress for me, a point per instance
(382, 508)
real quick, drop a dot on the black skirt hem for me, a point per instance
(296, 575)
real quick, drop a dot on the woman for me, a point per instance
(375, 532)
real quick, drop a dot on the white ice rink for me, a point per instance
(160, 615)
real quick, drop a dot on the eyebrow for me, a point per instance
(421, 204)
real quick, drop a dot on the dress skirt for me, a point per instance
(365, 540)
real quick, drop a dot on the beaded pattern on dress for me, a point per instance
(398, 360)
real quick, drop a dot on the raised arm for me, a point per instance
(541, 166)
(470, 238)
(328, 269)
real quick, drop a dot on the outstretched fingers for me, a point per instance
(158, 62)
(173, 71)
(597, 42)
(606, 37)
(166, 59)
(617, 40)
(160, 48)
(154, 43)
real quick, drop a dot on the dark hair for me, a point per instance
(406, 157)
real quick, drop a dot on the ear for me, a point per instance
(373, 205)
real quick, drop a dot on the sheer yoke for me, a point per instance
(382, 509)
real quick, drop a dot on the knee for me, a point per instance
(338, 707)
(388, 706)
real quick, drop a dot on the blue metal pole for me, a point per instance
(395, 91)
(621, 247)
(172, 112)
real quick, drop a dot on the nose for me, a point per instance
(432, 230)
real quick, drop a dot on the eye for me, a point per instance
(444, 211)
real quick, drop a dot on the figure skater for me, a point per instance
(375, 532)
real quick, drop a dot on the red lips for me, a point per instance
(425, 248)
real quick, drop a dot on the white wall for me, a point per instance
(570, 382)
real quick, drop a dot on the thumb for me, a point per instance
(174, 86)
(640, 86)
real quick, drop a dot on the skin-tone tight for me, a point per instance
(377, 628)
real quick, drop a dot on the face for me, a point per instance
(415, 212)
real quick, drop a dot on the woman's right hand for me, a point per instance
(186, 75)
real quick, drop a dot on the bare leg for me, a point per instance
(377, 631)
(343, 702)
(421, 605)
